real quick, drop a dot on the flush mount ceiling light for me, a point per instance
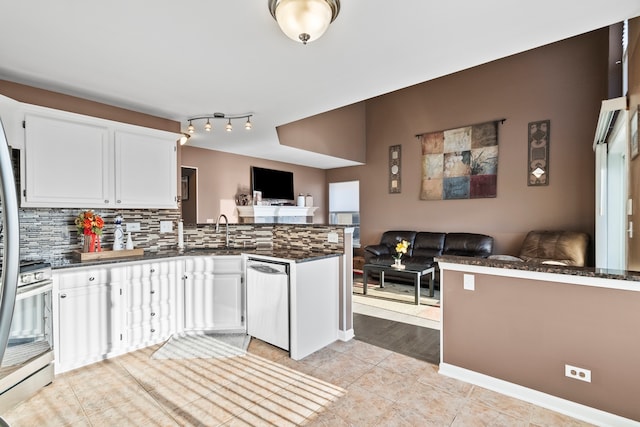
(304, 20)
(208, 126)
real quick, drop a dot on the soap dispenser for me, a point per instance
(118, 235)
(129, 241)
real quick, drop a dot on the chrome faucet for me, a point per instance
(226, 228)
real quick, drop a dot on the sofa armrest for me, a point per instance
(378, 250)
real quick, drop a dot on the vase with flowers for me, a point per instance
(401, 249)
(90, 226)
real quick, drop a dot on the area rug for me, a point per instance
(203, 346)
(396, 291)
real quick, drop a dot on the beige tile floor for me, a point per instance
(345, 384)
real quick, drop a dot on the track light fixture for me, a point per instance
(304, 20)
(208, 126)
(184, 138)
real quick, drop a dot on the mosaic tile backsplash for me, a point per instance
(51, 235)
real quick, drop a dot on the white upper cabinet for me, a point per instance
(77, 161)
(146, 171)
(67, 164)
(11, 114)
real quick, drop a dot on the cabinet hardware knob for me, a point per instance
(153, 270)
(153, 292)
(91, 279)
(153, 314)
(106, 201)
(63, 295)
(153, 330)
(118, 201)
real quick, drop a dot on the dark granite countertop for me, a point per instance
(544, 268)
(295, 255)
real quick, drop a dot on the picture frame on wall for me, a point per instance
(394, 169)
(634, 134)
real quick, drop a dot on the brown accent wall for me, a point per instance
(634, 166)
(338, 133)
(563, 82)
(222, 175)
(521, 331)
(46, 98)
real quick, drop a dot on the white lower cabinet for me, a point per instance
(151, 302)
(213, 293)
(108, 310)
(88, 303)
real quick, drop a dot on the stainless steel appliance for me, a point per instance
(268, 302)
(25, 310)
(27, 364)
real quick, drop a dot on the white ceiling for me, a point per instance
(178, 59)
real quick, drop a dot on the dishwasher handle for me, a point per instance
(265, 269)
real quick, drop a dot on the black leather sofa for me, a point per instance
(424, 246)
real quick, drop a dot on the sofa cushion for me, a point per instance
(378, 250)
(567, 247)
(468, 244)
(428, 244)
(391, 239)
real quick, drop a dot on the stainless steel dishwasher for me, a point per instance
(268, 301)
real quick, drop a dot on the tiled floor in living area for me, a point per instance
(345, 384)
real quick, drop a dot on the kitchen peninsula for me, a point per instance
(130, 303)
(507, 326)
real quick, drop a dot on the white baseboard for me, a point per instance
(563, 406)
(346, 335)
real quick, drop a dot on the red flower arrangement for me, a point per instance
(90, 225)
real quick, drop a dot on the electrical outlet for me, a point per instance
(133, 226)
(577, 373)
(65, 234)
(332, 237)
(166, 226)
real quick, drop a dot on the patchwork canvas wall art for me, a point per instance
(460, 163)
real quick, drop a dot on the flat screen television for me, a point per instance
(273, 184)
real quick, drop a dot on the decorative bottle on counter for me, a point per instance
(129, 241)
(308, 201)
(118, 235)
(300, 200)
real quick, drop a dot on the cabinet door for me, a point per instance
(67, 164)
(213, 300)
(146, 171)
(88, 324)
(227, 301)
(151, 300)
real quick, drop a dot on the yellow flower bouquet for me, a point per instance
(401, 249)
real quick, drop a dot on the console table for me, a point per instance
(417, 275)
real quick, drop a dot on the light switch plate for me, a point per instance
(166, 226)
(469, 282)
(133, 226)
(332, 237)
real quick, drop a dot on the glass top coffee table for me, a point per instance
(417, 275)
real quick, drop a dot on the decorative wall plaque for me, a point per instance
(539, 153)
(460, 163)
(394, 169)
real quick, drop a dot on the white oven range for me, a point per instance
(27, 364)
